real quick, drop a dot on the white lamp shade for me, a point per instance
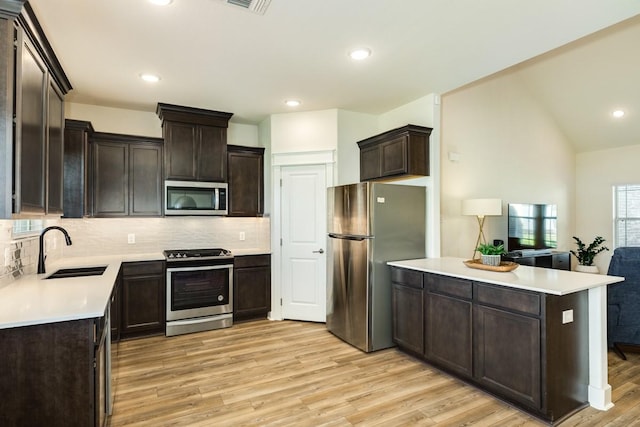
(482, 207)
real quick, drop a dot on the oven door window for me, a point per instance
(192, 289)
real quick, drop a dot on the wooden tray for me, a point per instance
(503, 267)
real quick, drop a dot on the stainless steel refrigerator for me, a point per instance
(369, 224)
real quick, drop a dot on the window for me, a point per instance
(27, 227)
(626, 214)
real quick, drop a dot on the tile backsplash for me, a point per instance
(110, 236)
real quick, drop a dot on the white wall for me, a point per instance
(419, 112)
(508, 148)
(352, 127)
(116, 120)
(304, 131)
(596, 173)
(146, 123)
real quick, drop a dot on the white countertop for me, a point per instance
(32, 299)
(546, 280)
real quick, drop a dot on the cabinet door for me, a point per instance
(448, 333)
(116, 306)
(212, 158)
(110, 179)
(143, 305)
(369, 163)
(393, 157)
(251, 292)
(55, 138)
(181, 150)
(31, 140)
(245, 178)
(77, 182)
(145, 180)
(408, 312)
(507, 354)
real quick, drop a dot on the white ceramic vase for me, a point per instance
(587, 269)
(493, 260)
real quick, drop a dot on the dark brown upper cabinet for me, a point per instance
(245, 173)
(195, 143)
(77, 161)
(398, 153)
(126, 175)
(35, 91)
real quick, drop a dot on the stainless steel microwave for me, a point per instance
(195, 198)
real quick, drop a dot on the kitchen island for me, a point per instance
(535, 337)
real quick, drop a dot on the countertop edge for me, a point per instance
(536, 279)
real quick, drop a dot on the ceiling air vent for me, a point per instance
(255, 6)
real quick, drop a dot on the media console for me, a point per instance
(552, 259)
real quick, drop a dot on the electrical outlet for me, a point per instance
(567, 316)
(131, 238)
(242, 236)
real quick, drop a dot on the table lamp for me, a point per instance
(480, 208)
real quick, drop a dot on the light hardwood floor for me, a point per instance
(297, 374)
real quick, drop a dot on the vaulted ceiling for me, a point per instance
(211, 54)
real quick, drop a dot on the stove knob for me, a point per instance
(220, 297)
(171, 256)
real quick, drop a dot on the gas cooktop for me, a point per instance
(186, 254)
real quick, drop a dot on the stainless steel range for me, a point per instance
(199, 290)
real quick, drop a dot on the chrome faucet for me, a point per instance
(41, 255)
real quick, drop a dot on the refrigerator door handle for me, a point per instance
(349, 237)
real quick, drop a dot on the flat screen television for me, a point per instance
(532, 227)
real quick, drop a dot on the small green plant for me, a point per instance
(489, 249)
(585, 254)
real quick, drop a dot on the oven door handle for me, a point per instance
(207, 267)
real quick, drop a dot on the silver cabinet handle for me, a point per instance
(321, 251)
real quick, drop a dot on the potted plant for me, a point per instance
(585, 254)
(490, 254)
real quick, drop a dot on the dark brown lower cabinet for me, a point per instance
(508, 354)
(408, 310)
(51, 375)
(509, 342)
(251, 287)
(142, 296)
(448, 320)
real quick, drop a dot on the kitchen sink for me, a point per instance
(78, 272)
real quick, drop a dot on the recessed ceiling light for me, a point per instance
(618, 113)
(150, 78)
(360, 54)
(292, 102)
(161, 2)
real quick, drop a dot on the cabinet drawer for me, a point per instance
(510, 299)
(449, 286)
(409, 278)
(140, 268)
(252, 261)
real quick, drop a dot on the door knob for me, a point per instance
(321, 251)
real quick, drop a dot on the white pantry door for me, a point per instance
(304, 237)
